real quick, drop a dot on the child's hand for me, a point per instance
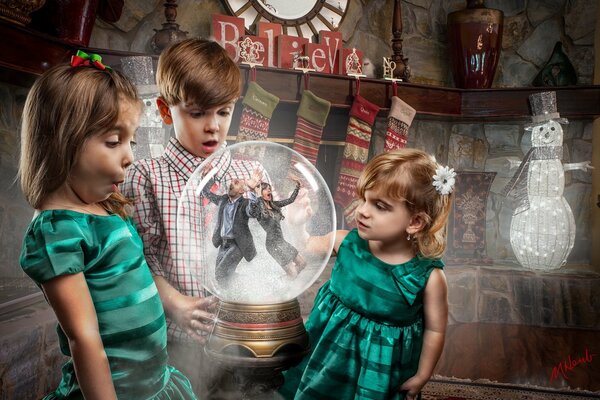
(300, 211)
(195, 316)
(412, 387)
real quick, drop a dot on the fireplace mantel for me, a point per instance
(27, 53)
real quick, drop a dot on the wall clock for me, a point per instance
(303, 18)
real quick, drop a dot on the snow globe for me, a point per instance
(243, 223)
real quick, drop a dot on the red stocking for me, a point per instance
(399, 119)
(356, 153)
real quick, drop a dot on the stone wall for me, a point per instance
(15, 213)
(531, 29)
(503, 293)
(466, 146)
(30, 358)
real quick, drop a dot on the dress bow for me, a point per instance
(412, 277)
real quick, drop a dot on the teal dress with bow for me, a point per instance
(366, 328)
(109, 253)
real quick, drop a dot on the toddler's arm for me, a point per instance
(70, 298)
(436, 319)
(320, 244)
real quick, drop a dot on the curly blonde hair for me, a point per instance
(407, 174)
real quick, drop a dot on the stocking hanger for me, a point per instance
(306, 80)
(357, 78)
(301, 63)
(251, 70)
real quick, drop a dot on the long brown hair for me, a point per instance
(407, 174)
(64, 108)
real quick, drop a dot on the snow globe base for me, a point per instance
(259, 335)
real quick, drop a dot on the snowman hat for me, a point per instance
(543, 108)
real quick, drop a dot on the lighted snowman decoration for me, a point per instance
(542, 230)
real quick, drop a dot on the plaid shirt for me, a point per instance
(156, 184)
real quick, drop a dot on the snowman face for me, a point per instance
(548, 134)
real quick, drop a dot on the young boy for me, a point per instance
(199, 85)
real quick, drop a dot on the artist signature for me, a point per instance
(569, 363)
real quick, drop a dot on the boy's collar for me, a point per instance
(185, 163)
(181, 160)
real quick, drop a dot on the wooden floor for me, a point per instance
(522, 355)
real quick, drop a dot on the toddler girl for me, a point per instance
(79, 124)
(377, 327)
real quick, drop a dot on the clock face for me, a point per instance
(303, 18)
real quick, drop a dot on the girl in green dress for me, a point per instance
(377, 327)
(79, 124)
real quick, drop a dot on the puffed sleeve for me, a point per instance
(53, 246)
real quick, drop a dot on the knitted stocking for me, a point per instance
(312, 115)
(399, 119)
(356, 153)
(256, 113)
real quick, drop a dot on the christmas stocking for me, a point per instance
(256, 113)
(312, 115)
(356, 153)
(399, 119)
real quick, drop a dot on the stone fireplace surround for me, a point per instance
(495, 295)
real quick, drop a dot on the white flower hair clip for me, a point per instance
(443, 180)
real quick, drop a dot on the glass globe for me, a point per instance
(244, 219)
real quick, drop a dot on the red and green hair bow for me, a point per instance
(84, 59)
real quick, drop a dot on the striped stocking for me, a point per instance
(399, 119)
(356, 154)
(312, 115)
(256, 113)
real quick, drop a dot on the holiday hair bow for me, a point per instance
(84, 59)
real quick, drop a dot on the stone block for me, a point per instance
(538, 47)
(494, 307)
(462, 294)
(503, 140)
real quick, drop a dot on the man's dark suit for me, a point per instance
(231, 252)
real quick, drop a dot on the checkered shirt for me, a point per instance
(156, 184)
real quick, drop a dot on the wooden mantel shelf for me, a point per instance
(499, 104)
(28, 52)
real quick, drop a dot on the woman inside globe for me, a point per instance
(269, 216)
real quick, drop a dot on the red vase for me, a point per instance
(475, 41)
(69, 20)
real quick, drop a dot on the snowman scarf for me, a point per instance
(516, 189)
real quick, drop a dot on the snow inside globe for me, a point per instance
(244, 220)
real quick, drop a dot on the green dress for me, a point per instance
(108, 250)
(366, 328)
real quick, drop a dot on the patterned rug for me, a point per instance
(446, 389)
